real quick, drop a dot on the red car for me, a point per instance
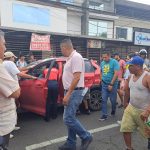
(34, 92)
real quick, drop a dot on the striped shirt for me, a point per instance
(8, 116)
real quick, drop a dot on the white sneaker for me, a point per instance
(11, 136)
(17, 128)
(119, 122)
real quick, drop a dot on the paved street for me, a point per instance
(52, 50)
(34, 130)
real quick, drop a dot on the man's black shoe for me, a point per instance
(148, 146)
(46, 119)
(120, 106)
(87, 111)
(54, 116)
(129, 149)
(66, 147)
(78, 112)
(113, 113)
(85, 143)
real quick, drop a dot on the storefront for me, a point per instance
(19, 42)
(142, 39)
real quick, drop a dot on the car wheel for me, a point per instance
(95, 99)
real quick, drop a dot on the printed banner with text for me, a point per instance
(40, 42)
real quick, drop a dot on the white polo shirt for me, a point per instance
(12, 69)
(74, 63)
(8, 116)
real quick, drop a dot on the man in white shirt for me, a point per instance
(9, 90)
(73, 82)
(11, 67)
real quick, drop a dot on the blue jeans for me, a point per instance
(4, 141)
(51, 102)
(107, 94)
(73, 125)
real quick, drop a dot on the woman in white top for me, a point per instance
(21, 63)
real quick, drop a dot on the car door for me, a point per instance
(97, 73)
(89, 74)
(60, 84)
(34, 92)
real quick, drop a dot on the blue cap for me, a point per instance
(136, 60)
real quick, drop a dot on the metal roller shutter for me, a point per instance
(19, 43)
(78, 43)
(94, 54)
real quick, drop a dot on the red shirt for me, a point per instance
(53, 74)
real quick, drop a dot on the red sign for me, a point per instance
(40, 42)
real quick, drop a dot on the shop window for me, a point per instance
(99, 28)
(133, 12)
(121, 33)
(67, 1)
(96, 6)
(31, 15)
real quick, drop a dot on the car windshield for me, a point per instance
(88, 66)
(34, 63)
(37, 62)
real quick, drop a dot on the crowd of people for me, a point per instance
(129, 78)
(132, 79)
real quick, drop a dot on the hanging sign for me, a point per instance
(40, 42)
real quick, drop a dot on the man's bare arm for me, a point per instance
(127, 92)
(114, 77)
(24, 75)
(23, 68)
(145, 114)
(148, 81)
(15, 94)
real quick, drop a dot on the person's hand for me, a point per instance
(110, 87)
(66, 99)
(17, 103)
(34, 78)
(147, 131)
(144, 115)
(125, 105)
